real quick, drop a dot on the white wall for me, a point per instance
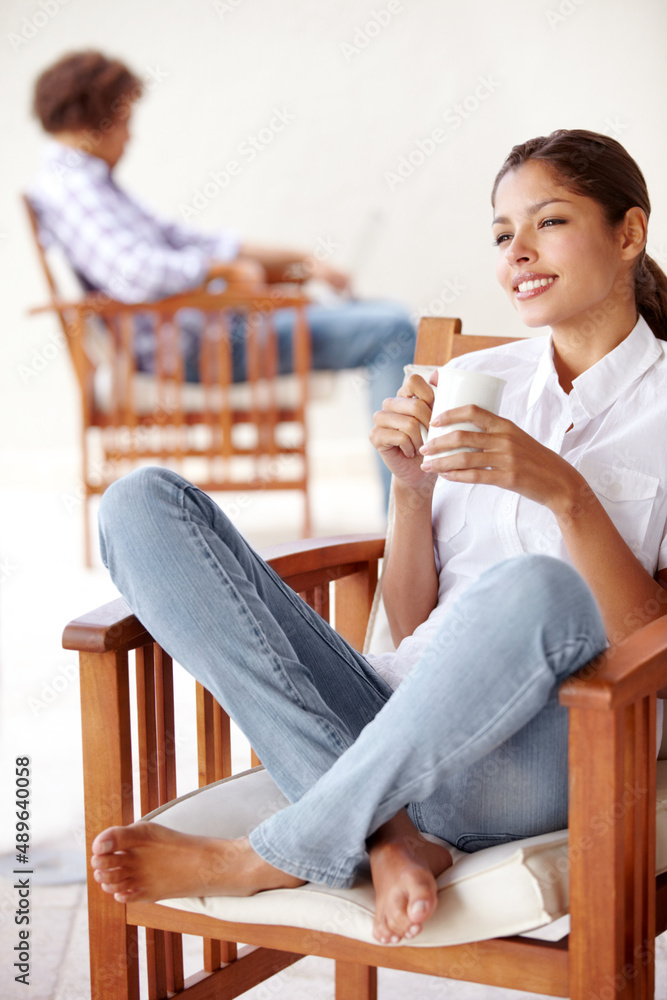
(362, 97)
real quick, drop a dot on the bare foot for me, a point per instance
(145, 862)
(404, 866)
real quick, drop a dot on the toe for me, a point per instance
(115, 888)
(105, 842)
(398, 924)
(420, 910)
(104, 862)
(113, 877)
(381, 932)
(127, 896)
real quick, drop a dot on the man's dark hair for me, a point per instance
(84, 90)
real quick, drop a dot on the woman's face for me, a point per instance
(558, 259)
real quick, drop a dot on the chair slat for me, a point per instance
(147, 729)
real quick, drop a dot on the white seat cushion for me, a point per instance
(503, 890)
(147, 397)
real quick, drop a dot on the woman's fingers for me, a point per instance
(411, 406)
(503, 455)
(484, 419)
(397, 429)
(417, 387)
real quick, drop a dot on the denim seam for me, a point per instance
(297, 604)
(583, 641)
(293, 598)
(328, 730)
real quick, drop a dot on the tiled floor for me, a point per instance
(42, 586)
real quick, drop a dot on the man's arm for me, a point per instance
(290, 265)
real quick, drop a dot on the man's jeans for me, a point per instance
(376, 336)
(474, 741)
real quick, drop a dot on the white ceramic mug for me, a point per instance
(460, 388)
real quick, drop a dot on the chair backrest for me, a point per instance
(439, 339)
(34, 226)
(89, 349)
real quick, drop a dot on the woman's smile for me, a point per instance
(528, 285)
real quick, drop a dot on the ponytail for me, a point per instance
(651, 295)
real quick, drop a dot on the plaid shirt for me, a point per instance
(114, 243)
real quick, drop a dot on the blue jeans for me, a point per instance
(473, 742)
(376, 336)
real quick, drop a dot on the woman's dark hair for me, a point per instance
(84, 90)
(598, 167)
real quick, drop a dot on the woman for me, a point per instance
(510, 565)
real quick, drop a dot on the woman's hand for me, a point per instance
(410, 580)
(508, 457)
(397, 432)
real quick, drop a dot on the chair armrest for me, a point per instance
(109, 627)
(289, 558)
(261, 299)
(634, 669)
(114, 627)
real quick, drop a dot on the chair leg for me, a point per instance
(355, 982)
(114, 950)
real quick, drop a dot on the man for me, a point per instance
(120, 247)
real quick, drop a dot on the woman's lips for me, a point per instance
(529, 287)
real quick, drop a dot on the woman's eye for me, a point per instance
(553, 222)
(501, 239)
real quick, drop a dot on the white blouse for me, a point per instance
(618, 413)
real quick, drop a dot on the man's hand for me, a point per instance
(338, 280)
(242, 271)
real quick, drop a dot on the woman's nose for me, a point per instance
(520, 250)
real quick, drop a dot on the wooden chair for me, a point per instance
(221, 435)
(617, 906)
